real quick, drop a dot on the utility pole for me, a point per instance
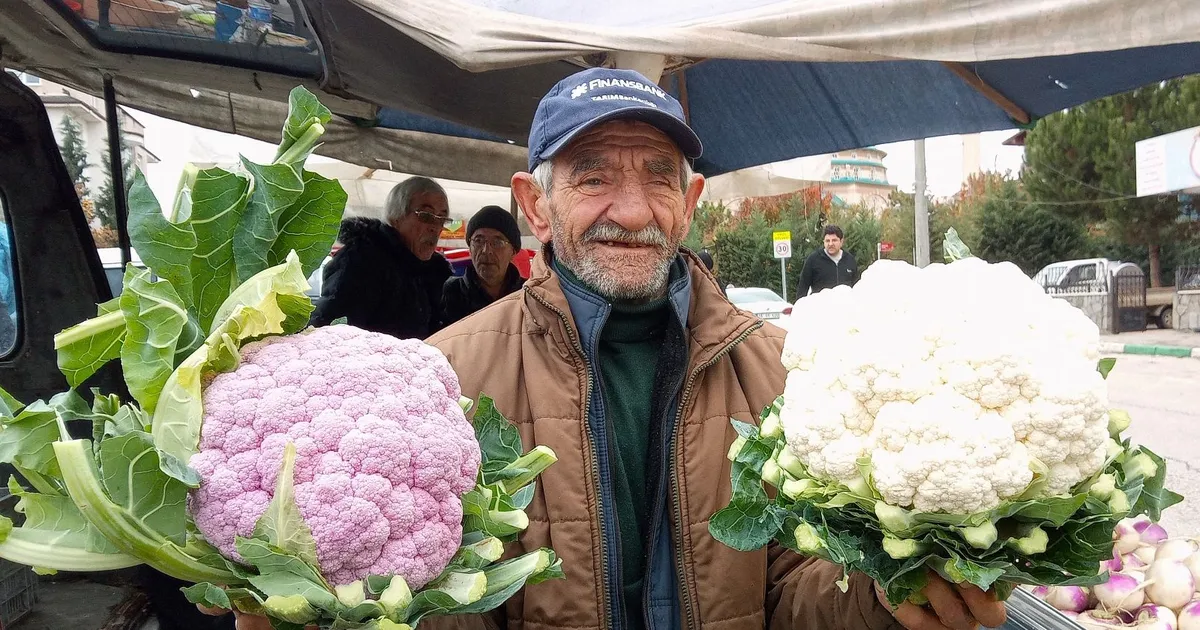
(921, 214)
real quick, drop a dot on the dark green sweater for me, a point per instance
(628, 354)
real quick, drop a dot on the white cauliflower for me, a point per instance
(952, 379)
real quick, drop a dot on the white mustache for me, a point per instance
(649, 235)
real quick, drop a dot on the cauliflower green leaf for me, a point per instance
(273, 188)
(217, 198)
(85, 347)
(281, 524)
(132, 476)
(27, 440)
(504, 579)
(895, 546)
(165, 244)
(154, 319)
(9, 406)
(284, 574)
(499, 441)
(953, 247)
(750, 519)
(306, 117)
(304, 226)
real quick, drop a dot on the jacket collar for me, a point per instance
(512, 280)
(590, 310)
(712, 322)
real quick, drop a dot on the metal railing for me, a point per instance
(1053, 282)
(1187, 278)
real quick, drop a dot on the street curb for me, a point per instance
(1160, 351)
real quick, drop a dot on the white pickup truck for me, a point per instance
(1094, 275)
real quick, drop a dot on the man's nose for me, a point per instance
(631, 206)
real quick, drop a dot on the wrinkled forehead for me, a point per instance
(621, 140)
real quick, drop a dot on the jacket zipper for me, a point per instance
(685, 594)
(595, 467)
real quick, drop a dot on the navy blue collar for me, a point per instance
(590, 310)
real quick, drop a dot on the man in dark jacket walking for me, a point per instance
(388, 276)
(494, 238)
(829, 266)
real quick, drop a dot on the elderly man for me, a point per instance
(621, 355)
(494, 238)
(388, 276)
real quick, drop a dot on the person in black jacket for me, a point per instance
(388, 276)
(829, 266)
(494, 238)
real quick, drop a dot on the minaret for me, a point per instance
(970, 155)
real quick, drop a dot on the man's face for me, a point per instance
(833, 244)
(490, 254)
(422, 225)
(617, 212)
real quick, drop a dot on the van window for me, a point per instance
(9, 308)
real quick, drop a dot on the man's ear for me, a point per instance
(534, 204)
(692, 198)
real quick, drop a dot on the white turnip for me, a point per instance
(1131, 561)
(1189, 617)
(1174, 549)
(1069, 598)
(1145, 553)
(1151, 533)
(1122, 591)
(1169, 583)
(1192, 562)
(1156, 612)
(1147, 618)
(1125, 538)
(1100, 620)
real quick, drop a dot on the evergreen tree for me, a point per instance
(74, 154)
(106, 205)
(1082, 163)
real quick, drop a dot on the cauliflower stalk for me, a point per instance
(318, 476)
(954, 417)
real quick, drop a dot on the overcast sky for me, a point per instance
(176, 144)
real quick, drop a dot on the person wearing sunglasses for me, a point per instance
(388, 275)
(493, 238)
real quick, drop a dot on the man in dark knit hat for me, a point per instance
(494, 238)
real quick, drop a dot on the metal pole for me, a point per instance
(783, 273)
(117, 166)
(921, 249)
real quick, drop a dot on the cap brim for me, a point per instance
(687, 140)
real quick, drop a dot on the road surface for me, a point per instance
(1163, 396)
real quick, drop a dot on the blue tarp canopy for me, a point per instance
(749, 113)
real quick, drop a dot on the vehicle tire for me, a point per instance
(1164, 318)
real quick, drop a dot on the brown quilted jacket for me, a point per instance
(523, 352)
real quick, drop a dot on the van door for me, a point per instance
(51, 264)
(49, 261)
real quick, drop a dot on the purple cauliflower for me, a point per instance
(383, 450)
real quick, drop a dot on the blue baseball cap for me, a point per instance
(596, 95)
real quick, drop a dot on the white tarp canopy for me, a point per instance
(768, 180)
(447, 88)
(489, 34)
